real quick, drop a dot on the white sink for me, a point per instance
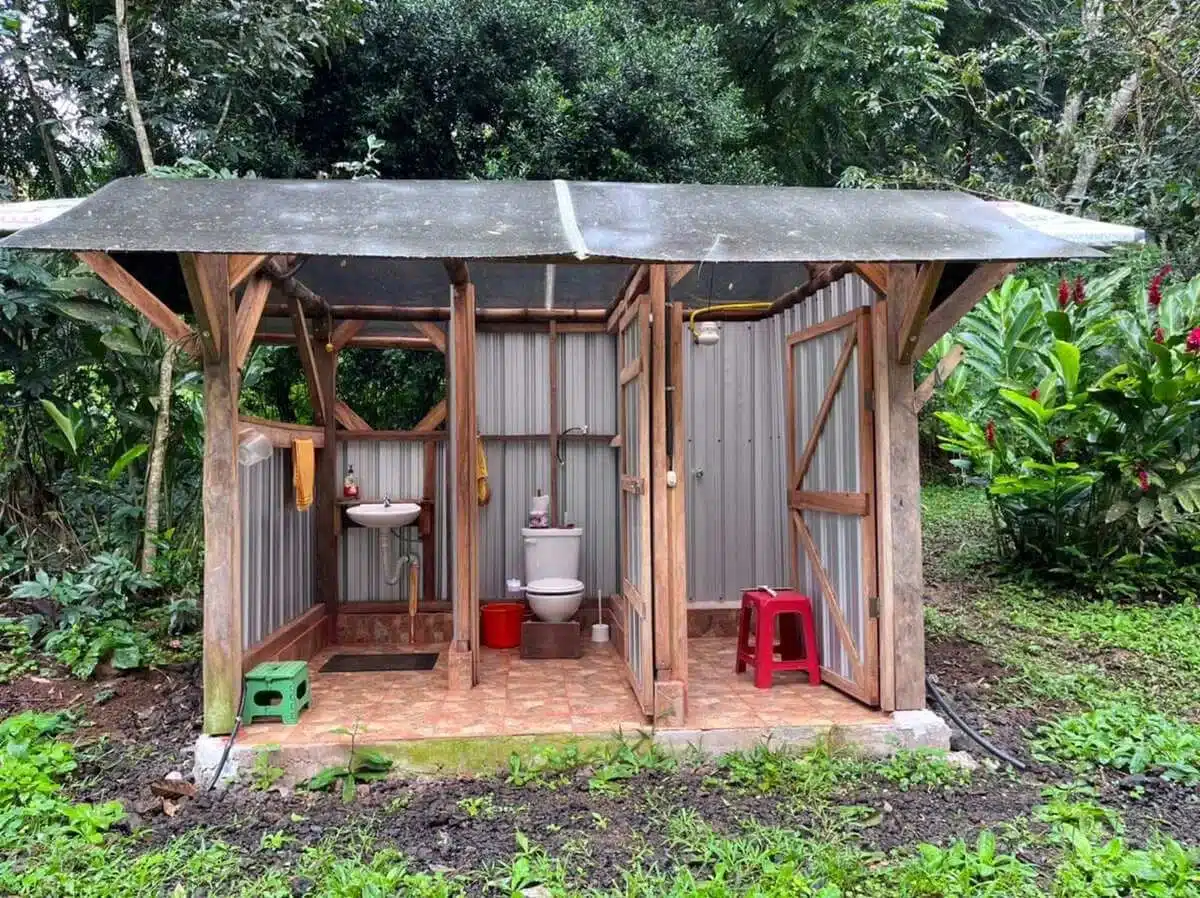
(376, 514)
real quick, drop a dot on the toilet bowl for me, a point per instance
(551, 571)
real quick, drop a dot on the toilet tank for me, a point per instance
(551, 552)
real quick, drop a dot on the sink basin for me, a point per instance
(376, 514)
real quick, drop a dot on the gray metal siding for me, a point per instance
(513, 400)
(277, 549)
(737, 449)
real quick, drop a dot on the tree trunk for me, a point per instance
(1089, 157)
(131, 100)
(158, 457)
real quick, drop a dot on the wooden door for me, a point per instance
(633, 427)
(831, 495)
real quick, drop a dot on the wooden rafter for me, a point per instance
(277, 269)
(874, 274)
(434, 418)
(938, 376)
(344, 333)
(637, 283)
(831, 391)
(280, 433)
(433, 333)
(949, 312)
(207, 279)
(241, 266)
(364, 312)
(130, 289)
(254, 300)
(924, 282)
(348, 417)
(304, 344)
(368, 342)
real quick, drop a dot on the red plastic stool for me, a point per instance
(767, 604)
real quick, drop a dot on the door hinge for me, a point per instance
(873, 606)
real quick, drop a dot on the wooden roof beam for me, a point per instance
(254, 300)
(321, 403)
(242, 265)
(924, 282)
(313, 305)
(982, 280)
(153, 309)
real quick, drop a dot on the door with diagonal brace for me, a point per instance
(831, 495)
(633, 428)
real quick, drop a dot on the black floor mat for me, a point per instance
(371, 662)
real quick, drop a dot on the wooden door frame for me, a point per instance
(865, 660)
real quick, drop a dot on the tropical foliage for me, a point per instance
(1077, 406)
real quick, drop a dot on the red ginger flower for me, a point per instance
(1064, 293)
(1080, 293)
(1143, 480)
(1193, 340)
(1154, 292)
(991, 433)
(1159, 335)
(1034, 394)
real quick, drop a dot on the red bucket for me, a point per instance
(502, 624)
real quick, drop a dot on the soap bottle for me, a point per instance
(350, 484)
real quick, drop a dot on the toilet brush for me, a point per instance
(600, 630)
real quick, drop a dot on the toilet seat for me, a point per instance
(554, 586)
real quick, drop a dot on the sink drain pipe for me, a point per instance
(237, 725)
(940, 701)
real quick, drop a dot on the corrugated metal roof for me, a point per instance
(539, 220)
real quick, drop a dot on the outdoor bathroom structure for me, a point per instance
(711, 388)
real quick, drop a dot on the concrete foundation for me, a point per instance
(485, 754)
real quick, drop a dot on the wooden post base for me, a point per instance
(460, 668)
(670, 702)
(540, 639)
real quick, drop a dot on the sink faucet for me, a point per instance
(387, 500)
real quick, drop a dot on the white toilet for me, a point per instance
(552, 570)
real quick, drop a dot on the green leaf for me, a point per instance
(122, 339)
(64, 423)
(93, 313)
(1117, 510)
(1066, 358)
(1060, 325)
(1145, 512)
(1031, 407)
(130, 455)
(126, 657)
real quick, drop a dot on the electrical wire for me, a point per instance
(237, 725)
(940, 701)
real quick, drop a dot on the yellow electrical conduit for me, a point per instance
(729, 306)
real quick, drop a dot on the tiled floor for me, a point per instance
(589, 696)
(719, 699)
(514, 697)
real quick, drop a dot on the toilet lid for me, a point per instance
(554, 586)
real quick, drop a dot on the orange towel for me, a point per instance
(303, 472)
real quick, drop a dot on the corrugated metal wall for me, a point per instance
(396, 468)
(514, 401)
(277, 549)
(737, 448)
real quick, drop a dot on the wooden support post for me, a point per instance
(677, 522)
(464, 440)
(660, 564)
(326, 523)
(902, 473)
(208, 287)
(429, 493)
(555, 429)
(880, 340)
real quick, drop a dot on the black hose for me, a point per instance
(940, 701)
(237, 725)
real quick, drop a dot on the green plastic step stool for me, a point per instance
(277, 689)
